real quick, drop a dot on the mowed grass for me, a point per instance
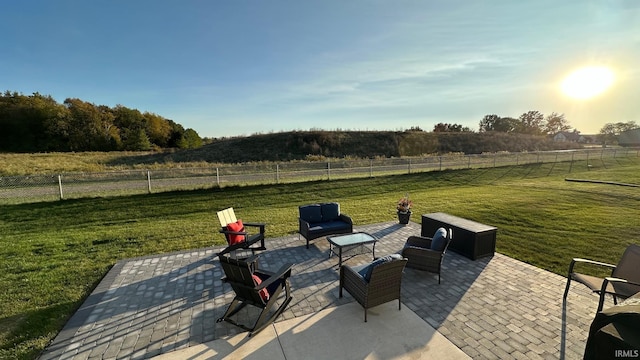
(53, 254)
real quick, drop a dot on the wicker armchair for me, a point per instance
(421, 256)
(383, 285)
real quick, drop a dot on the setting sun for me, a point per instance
(587, 82)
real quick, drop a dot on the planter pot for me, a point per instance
(403, 217)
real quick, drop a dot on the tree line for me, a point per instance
(535, 123)
(38, 123)
(530, 123)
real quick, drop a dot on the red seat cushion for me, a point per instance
(234, 238)
(264, 294)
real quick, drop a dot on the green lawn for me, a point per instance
(53, 254)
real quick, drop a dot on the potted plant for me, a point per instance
(404, 209)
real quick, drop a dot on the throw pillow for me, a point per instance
(368, 270)
(238, 227)
(264, 294)
(311, 213)
(330, 211)
(439, 240)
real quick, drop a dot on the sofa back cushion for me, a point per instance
(311, 213)
(330, 211)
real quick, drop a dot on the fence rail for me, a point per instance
(20, 189)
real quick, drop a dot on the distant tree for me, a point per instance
(137, 140)
(415, 128)
(158, 129)
(531, 122)
(88, 127)
(132, 125)
(442, 127)
(190, 140)
(555, 123)
(610, 131)
(25, 122)
(497, 124)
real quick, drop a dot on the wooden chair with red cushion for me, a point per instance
(237, 235)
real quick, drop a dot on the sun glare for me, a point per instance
(587, 82)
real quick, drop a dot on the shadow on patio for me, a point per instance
(494, 307)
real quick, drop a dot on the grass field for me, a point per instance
(54, 253)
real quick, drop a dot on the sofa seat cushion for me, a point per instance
(328, 226)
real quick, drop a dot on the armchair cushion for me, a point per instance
(366, 271)
(264, 293)
(330, 211)
(439, 240)
(311, 213)
(238, 227)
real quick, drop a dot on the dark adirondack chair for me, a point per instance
(256, 287)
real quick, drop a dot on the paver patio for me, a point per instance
(494, 307)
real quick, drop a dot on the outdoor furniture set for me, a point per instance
(370, 284)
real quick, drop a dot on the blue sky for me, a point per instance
(239, 67)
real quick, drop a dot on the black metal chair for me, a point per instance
(256, 287)
(621, 284)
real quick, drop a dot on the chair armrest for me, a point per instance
(422, 253)
(234, 232)
(346, 218)
(304, 226)
(618, 280)
(419, 241)
(614, 280)
(589, 262)
(282, 274)
(258, 225)
(348, 272)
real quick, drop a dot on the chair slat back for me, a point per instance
(627, 268)
(239, 276)
(226, 216)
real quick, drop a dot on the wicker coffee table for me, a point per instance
(342, 244)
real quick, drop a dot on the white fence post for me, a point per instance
(328, 170)
(218, 177)
(60, 186)
(277, 173)
(149, 181)
(370, 167)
